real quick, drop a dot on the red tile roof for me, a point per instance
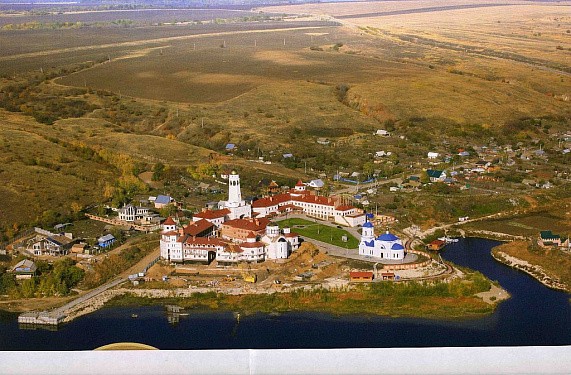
(202, 241)
(254, 225)
(251, 235)
(355, 274)
(315, 199)
(289, 206)
(299, 183)
(169, 221)
(250, 245)
(209, 214)
(197, 227)
(271, 201)
(344, 208)
(234, 249)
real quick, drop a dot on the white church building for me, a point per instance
(385, 246)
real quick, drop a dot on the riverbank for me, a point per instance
(511, 254)
(458, 298)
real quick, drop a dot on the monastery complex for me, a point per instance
(239, 232)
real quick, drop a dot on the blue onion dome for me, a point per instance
(388, 237)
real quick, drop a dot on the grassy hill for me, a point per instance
(39, 174)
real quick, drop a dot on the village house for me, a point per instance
(106, 241)
(361, 277)
(436, 175)
(382, 133)
(25, 269)
(54, 245)
(433, 155)
(163, 200)
(549, 239)
(78, 248)
(130, 213)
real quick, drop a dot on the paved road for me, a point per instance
(116, 281)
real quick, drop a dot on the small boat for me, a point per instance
(448, 239)
(134, 316)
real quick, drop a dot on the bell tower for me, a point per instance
(368, 231)
(234, 194)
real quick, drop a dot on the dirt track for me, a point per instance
(145, 42)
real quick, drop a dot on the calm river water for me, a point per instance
(535, 315)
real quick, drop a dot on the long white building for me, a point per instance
(298, 199)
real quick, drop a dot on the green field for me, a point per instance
(321, 232)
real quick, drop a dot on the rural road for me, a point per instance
(145, 42)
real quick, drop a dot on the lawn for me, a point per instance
(320, 232)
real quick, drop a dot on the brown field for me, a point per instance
(138, 16)
(532, 29)
(556, 220)
(447, 67)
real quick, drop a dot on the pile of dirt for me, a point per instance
(159, 270)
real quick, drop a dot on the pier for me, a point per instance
(41, 318)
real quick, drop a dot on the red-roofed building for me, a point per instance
(268, 205)
(169, 221)
(361, 277)
(200, 228)
(325, 208)
(216, 217)
(237, 230)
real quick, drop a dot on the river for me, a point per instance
(535, 315)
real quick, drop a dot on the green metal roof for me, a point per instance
(547, 235)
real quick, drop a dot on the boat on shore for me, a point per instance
(448, 239)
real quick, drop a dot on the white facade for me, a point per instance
(131, 213)
(237, 207)
(278, 247)
(386, 246)
(185, 248)
(355, 220)
(168, 244)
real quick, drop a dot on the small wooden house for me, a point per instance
(361, 277)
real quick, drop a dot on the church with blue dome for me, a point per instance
(385, 246)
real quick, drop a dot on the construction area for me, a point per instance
(309, 265)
